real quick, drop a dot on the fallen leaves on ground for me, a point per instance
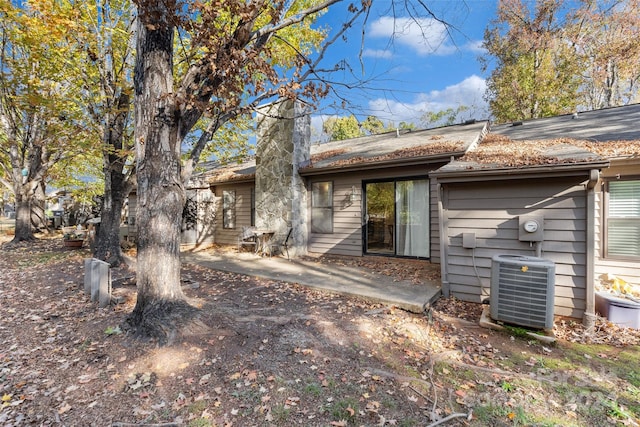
(271, 353)
(415, 271)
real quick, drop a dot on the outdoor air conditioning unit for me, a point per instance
(522, 290)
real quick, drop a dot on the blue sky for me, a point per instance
(414, 68)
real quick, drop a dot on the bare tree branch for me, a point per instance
(301, 16)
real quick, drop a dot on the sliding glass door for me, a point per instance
(380, 218)
(412, 218)
(397, 218)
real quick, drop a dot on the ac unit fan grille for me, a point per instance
(522, 293)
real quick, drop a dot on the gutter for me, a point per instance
(243, 180)
(589, 313)
(496, 174)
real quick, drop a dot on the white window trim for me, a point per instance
(606, 222)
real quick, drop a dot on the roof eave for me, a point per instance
(496, 174)
(625, 160)
(381, 164)
(245, 179)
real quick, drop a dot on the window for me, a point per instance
(228, 209)
(322, 207)
(623, 219)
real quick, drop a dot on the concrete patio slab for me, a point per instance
(340, 279)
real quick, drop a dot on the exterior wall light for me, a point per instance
(354, 193)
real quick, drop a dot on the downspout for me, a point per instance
(590, 313)
(443, 239)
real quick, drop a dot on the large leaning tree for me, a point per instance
(237, 48)
(39, 120)
(240, 53)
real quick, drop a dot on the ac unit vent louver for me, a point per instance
(522, 290)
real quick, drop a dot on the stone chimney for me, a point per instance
(283, 144)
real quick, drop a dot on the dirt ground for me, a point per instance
(275, 354)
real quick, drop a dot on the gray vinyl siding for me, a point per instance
(346, 238)
(491, 210)
(243, 212)
(628, 270)
(434, 219)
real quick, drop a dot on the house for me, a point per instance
(319, 190)
(417, 193)
(577, 175)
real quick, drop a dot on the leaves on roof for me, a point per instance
(501, 150)
(327, 155)
(610, 149)
(429, 149)
(227, 174)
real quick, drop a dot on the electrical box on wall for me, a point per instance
(530, 228)
(469, 240)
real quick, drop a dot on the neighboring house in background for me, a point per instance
(414, 194)
(199, 218)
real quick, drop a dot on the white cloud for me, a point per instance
(475, 46)
(377, 53)
(424, 36)
(468, 93)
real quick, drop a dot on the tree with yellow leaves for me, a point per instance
(40, 120)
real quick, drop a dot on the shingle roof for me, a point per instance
(394, 146)
(372, 151)
(609, 124)
(594, 136)
(586, 138)
(234, 172)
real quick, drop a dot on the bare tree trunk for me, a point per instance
(610, 82)
(161, 305)
(116, 186)
(107, 246)
(38, 218)
(23, 218)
